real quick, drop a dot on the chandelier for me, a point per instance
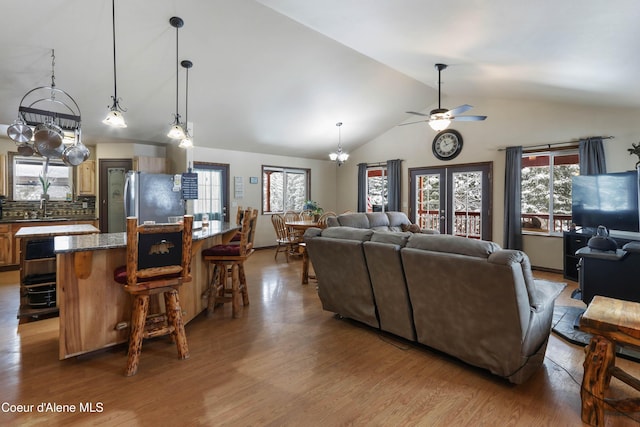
(339, 156)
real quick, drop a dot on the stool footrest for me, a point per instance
(158, 332)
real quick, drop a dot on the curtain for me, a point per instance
(394, 181)
(512, 199)
(591, 153)
(362, 187)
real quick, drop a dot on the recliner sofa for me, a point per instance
(467, 298)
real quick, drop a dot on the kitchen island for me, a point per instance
(95, 310)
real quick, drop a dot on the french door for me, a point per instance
(454, 200)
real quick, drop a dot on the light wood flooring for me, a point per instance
(285, 362)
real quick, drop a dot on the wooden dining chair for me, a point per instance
(285, 241)
(306, 215)
(158, 262)
(322, 221)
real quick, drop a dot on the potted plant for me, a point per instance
(313, 207)
(45, 183)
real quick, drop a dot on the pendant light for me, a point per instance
(339, 156)
(187, 141)
(176, 131)
(114, 117)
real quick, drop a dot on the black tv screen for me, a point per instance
(609, 199)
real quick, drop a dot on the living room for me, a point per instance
(285, 361)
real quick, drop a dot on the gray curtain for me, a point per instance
(512, 196)
(394, 181)
(591, 153)
(362, 187)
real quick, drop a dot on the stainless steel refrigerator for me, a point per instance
(152, 197)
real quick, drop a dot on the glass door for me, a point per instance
(454, 200)
(213, 191)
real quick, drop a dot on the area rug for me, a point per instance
(565, 324)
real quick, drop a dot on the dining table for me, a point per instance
(301, 226)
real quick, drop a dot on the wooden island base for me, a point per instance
(95, 310)
(612, 322)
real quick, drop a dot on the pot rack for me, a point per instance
(46, 104)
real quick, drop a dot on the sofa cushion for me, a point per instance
(353, 220)
(396, 219)
(378, 220)
(392, 237)
(452, 244)
(348, 233)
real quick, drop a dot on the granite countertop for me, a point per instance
(91, 242)
(56, 230)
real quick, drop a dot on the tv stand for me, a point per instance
(610, 274)
(571, 242)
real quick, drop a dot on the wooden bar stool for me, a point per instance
(158, 262)
(612, 322)
(227, 261)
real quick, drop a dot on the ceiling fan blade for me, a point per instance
(417, 114)
(459, 110)
(413, 123)
(468, 118)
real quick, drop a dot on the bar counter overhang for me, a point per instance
(95, 310)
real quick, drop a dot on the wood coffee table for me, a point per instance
(610, 321)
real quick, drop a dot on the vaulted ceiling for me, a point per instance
(274, 76)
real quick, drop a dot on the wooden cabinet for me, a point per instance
(150, 164)
(6, 239)
(87, 178)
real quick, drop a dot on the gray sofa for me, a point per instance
(467, 298)
(379, 221)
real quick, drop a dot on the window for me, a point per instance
(377, 189)
(546, 190)
(26, 178)
(284, 189)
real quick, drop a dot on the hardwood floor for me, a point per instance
(285, 362)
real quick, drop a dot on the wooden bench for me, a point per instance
(611, 322)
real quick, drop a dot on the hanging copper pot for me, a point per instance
(26, 150)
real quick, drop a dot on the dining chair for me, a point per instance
(306, 215)
(322, 221)
(284, 239)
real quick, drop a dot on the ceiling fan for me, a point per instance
(440, 118)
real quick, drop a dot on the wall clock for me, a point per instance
(447, 144)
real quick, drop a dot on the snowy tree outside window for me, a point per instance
(284, 189)
(546, 190)
(377, 189)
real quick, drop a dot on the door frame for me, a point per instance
(224, 168)
(446, 172)
(103, 180)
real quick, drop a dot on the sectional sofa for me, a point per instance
(467, 298)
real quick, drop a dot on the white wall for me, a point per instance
(323, 181)
(509, 122)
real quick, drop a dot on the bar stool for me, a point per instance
(227, 261)
(158, 262)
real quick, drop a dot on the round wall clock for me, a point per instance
(447, 144)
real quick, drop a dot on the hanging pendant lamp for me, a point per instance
(114, 117)
(187, 141)
(177, 130)
(339, 156)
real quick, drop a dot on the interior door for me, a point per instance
(454, 200)
(213, 191)
(111, 194)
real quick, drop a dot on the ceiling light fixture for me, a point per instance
(439, 119)
(339, 156)
(114, 117)
(177, 130)
(187, 141)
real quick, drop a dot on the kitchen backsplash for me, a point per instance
(17, 210)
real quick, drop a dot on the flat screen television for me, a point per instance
(608, 199)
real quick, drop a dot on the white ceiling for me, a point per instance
(274, 76)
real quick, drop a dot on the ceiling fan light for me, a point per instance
(439, 124)
(115, 119)
(176, 132)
